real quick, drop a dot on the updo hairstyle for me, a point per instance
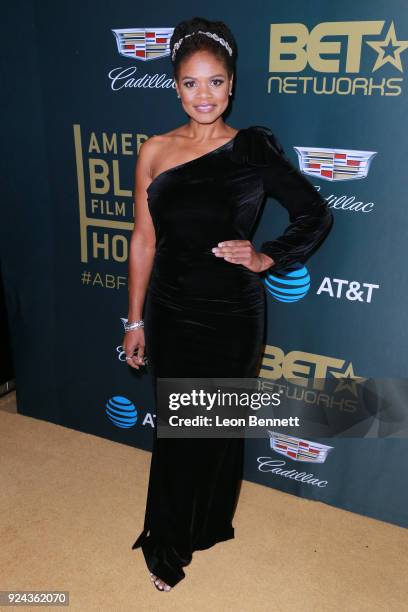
(225, 48)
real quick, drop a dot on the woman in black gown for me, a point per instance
(199, 189)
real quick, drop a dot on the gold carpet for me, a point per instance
(72, 505)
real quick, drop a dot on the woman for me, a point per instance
(199, 189)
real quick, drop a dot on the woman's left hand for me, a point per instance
(243, 252)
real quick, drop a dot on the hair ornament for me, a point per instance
(210, 34)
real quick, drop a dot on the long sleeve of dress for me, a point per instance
(310, 217)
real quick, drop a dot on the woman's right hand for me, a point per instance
(134, 342)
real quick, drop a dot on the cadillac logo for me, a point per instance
(144, 43)
(334, 164)
(297, 448)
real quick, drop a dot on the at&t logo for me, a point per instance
(290, 286)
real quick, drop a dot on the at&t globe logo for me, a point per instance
(121, 411)
(289, 286)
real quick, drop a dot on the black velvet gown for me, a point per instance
(204, 317)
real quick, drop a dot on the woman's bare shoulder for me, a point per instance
(157, 145)
(164, 139)
(160, 146)
(179, 135)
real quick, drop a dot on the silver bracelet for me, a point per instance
(134, 325)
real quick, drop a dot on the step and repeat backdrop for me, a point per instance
(89, 83)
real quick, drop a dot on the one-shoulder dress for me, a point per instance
(205, 317)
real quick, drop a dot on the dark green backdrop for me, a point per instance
(64, 236)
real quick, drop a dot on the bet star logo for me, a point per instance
(389, 49)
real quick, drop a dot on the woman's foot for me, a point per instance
(159, 584)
